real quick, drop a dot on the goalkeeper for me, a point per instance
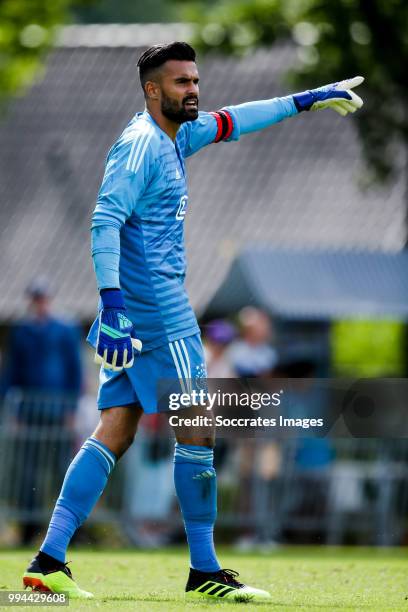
(146, 329)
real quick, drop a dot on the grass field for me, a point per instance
(298, 578)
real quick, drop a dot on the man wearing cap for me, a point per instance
(41, 381)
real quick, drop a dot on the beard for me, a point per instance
(179, 113)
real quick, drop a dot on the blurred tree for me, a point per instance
(333, 40)
(27, 29)
(127, 11)
(368, 348)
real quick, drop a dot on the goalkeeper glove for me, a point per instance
(338, 96)
(115, 346)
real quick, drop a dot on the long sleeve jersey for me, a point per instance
(138, 222)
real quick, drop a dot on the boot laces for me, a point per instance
(229, 575)
(66, 570)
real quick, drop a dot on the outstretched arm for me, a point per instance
(231, 122)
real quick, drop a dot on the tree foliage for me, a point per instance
(334, 40)
(127, 11)
(27, 30)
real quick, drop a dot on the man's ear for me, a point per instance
(152, 90)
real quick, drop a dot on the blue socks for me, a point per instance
(84, 482)
(196, 488)
(86, 478)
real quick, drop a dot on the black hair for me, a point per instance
(156, 56)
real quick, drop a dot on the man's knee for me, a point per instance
(117, 442)
(117, 428)
(192, 440)
(200, 435)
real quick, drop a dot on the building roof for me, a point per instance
(122, 35)
(293, 185)
(316, 285)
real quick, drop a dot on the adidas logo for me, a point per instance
(215, 589)
(124, 322)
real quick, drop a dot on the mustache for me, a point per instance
(190, 99)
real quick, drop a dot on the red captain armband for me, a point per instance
(224, 125)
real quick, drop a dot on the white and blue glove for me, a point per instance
(338, 96)
(116, 344)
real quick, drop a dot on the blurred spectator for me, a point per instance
(86, 418)
(313, 456)
(43, 352)
(253, 355)
(218, 336)
(41, 383)
(259, 461)
(149, 492)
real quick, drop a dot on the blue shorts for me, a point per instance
(180, 363)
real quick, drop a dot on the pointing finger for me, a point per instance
(350, 83)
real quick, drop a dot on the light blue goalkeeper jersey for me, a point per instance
(138, 222)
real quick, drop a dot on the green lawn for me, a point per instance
(298, 578)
